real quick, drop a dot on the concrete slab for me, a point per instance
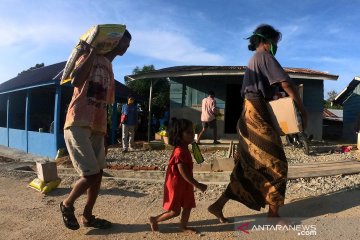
(21, 155)
(223, 164)
(204, 167)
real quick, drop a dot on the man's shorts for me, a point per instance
(211, 124)
(86, 150)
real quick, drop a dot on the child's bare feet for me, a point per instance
(213, 209)
(153, 224)
(188, 230)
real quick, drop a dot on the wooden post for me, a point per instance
(114, 122)
(149, 116)
(230, 151)
(8, 118)
(27, 118)
(57, 116)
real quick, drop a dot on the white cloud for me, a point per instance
(170, 46)
(328, 59)
(50, 31)
(39, 35)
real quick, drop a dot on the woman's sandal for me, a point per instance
(68, 217)
(96, 223)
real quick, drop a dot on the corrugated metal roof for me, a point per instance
(333, 114)
(34, 77)
(180, 71)
(50, 74)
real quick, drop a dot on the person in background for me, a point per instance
(85, 127)
(129, 124)
(208, 116)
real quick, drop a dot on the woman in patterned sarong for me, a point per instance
(259, 176)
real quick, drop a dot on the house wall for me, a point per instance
(313, 99)
(36, 144)
(351, 110)
(17, 135)
(3, 110)
(17, 110)
(3, 120)
(186, 96)
(332, 130)
(3, 136)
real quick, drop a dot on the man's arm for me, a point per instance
(214, 110)
(83, 69)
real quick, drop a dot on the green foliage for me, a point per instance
(38, 65)
(160, 94)
(331, 95)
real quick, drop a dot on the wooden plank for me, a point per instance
(323, 169)
(230, 153)
(307, 169)
(324, 163)
(294, 175)
(330, 164)
(339, 165)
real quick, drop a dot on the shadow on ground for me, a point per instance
(111, 191)
(304, 209)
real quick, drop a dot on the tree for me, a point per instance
(160, 94)
(38, 65)
(331, 95)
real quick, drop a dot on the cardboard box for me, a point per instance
(285, 116)
(47, 171)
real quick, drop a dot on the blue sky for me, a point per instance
(320, 35)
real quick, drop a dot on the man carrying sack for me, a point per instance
(85, 127)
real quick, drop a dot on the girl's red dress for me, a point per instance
(177, 191)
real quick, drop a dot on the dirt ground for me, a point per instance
(28, 214)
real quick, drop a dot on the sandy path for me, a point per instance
(27, 214)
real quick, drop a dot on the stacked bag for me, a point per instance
(104, 38)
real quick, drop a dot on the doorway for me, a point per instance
(233, 107)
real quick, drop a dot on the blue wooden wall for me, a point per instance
(188, 92)
(195, 89)
(3, 136)
(351, 110)
(17, 134)
(185, 92)
(176, 94)
(313, 94)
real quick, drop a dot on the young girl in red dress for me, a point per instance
(179, 181)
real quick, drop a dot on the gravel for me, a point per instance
(160, 158)
(296, 189)
(157, 158)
